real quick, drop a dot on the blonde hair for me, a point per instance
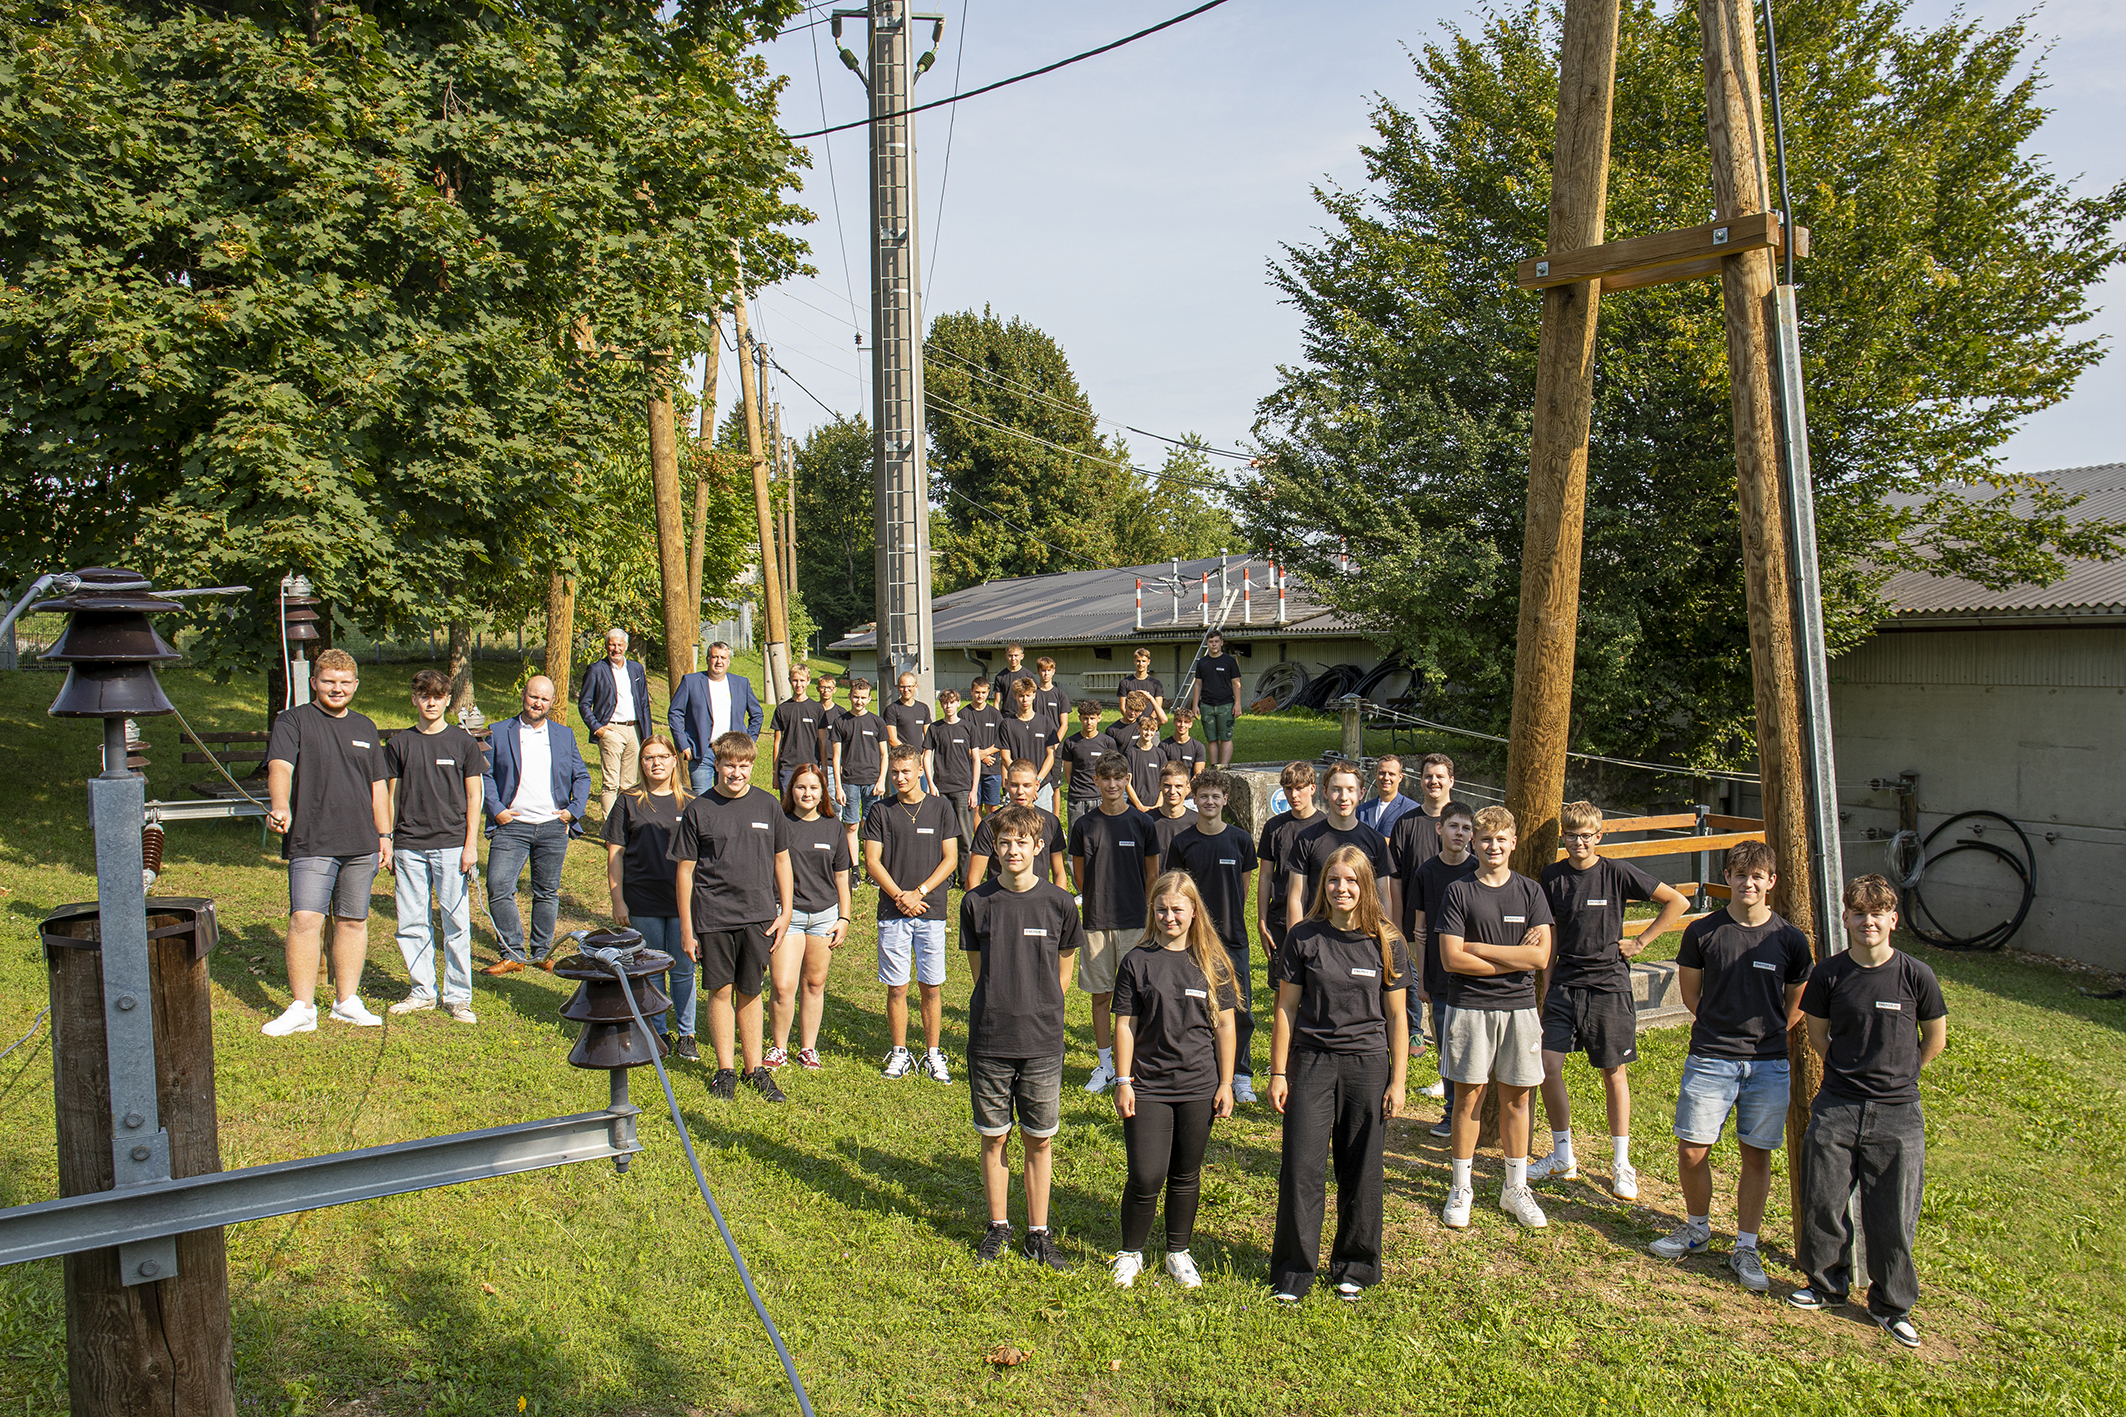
(1204, 946)
(1495, 818)
(1366, 916)
(639, 794)
(1580, 816)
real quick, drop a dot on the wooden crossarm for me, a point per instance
(1658, 259)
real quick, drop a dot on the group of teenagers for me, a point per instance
(1140, 892)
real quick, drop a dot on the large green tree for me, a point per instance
(836, 531)
(1950, 273)
(366, 291)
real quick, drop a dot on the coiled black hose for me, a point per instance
(1923, 922)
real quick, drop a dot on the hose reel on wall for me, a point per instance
(1910, 857)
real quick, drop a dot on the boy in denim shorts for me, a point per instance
(911, 851)
(1020, 934)
(1741, 974)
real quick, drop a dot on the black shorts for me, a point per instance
(734, 958)
(1604, 1026)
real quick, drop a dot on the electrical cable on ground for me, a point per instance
(35, 1023)
(1014, 79)
(214, 760)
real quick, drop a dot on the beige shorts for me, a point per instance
(1493, 1045)
(1100, 959)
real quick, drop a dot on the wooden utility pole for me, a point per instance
(790, 539)
(776, 638)
(560, 638)
(705, 438)
(161, 1347)
(671, 534)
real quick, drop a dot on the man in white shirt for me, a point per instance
(615, 706)
(534, 791)
(707, 706)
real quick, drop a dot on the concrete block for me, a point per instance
(1657, 993)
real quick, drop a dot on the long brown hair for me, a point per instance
(640, 792)
(1204, 946)
(1366, 916)
(789, 789)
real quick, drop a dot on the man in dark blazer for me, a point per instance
(707, 706)
(615, 705)
(534, 792)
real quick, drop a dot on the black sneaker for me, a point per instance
(995, 1241)
(1041, 1248)
(686, 1050)
(763, 1082)
(724, 1085)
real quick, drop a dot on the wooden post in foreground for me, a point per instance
(1735, 129)
(1557, 462)
(775, 637)
(161, 1347)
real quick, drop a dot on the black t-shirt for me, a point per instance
(1053, 704)
(1427, 892)
(951, 748)
(830, 715)
(1270, 848)
(818, 849)
(1412, 841)
(1016, 1010)
(798, 722)
(1191, 752)
(643, 830)
(432, 770)
(336, 762)
(863, 740)
(1311, 849)
(1081, 754)
(1165, 829)
(1219, 865)
(982, 723)
(912, 841)
(1874, 1016)
(1492, 915)
(1216, 673)
(1151, 685)
(1343, 1000)
(1172, 1023)
(908, 721)
(1589, 906)
(1742, 998)
(1053, 841)
(1144, 764)
(1029, 739)
(733, 843)
(1115, 849)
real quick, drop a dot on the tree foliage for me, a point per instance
(368, 292)
(836, 530)
(1951, 271)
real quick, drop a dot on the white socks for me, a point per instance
(1107, 1057)
(1461, 1171)
(1745, 1239)
(1561, 1147)
(1516, 1171)
(1700, 1222)
(1620, 1148)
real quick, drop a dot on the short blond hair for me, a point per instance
(1495, 818)
(333, 659)
(1580, 816)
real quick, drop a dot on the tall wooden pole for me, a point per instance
(671, 533)
(705, 437)
(790, 495)
(560, 638)
(777, 636)
(1734, 128)
(1557, 462)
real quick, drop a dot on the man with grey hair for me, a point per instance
(615, 705)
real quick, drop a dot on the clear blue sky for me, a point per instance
(1130, 205)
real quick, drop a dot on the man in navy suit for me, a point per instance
(534, 792)
(615, 705)
(707, 706)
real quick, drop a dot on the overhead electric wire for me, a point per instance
(994, 515)
(962, 411)
(1014, 79)
(841, 233)
(959, 58)
(1014, 386)
(1407, 719)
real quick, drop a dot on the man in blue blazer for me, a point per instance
(615, 705)
(707, 706)
(534, 792)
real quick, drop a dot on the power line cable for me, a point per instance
(834, 189)
(994, 515)
(1014, 79)
(952, 127)
(1410, 720)
(1027, 390)
(960, 410)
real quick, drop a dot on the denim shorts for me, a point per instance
(331, 885)
(991, 791)
(905, 943)
(1028, 1088)
(1755, 1090)
(814, 922)
(855, 800)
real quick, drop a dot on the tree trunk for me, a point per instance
(775, 639)
(671, 538)
(560, 638)
(705, 436)
(462, 690)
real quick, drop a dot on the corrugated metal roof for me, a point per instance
(1100, 607)
(2088, 588)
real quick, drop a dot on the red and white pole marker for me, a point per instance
(1140, 602)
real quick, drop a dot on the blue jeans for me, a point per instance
(425, 878)
(701, 777)
(661, 932)
(546, 847)
(1755, 1090)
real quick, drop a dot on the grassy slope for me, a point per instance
(858, 1204)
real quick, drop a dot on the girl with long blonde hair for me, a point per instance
(641, 881)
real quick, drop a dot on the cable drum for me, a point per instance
(1282, 683)
(1912, 856)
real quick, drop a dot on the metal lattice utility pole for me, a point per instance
(901, 474)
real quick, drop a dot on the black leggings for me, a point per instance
(1166, 1142)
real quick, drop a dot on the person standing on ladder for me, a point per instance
(1216, 697)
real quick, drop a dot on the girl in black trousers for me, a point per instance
(1173, 1009)
(1337, 1057)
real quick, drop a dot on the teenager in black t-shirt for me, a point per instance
(859, 760)
(1145, 756)
(1494, 935)
(830, 713)
(819, 923)
(1019, 933)
(1218, 858)
(1051, 862)
(1029, 735)
(1079, 754)
(1142, 681)
(1298, 782)
(911, 849)
(1170, 812)
(1174, 1000)
(1123, 731)
(949, 762)
(1113, 861)
(1317, 842)
(907, 718)
(797, 726)
(1338, 1054)
(1216, 695)
(1181, 748)
(1050, 700)
(1421, 897)
(641, 880)
(1589, 1008)
(1875, 1016)
(434, 770)
(1740, 971)
(983, 718)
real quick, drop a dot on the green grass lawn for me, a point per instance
(858, 1205)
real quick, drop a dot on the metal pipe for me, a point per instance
(1140, 602)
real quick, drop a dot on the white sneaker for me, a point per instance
(1519, 1202)
(299, 1018)
(1553, 1168)
(1243, 1090)
(933, 1067)
(1102, 1079)
(353, 1010)
(1624, 1185)
(1128, 1264)
(899, 1063)
(463, 1013)
(1456, 1214)
(1749, 1269)
(413, 1004)
(1437, 1089)
(1685, 1239)
(1182, 1270)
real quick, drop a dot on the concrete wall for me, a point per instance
(2028, 723)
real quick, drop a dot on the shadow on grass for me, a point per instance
(2019, 979)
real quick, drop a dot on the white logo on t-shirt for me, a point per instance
(760, 826)
(1039, 934)
(1196, 993)
(926, 831)
(1357, 973)
(822, 846)
(1889, 1004)
(1603, 901)
(359, 742)
(1765, 964)
(1228, 861)
(1514, 919)
(1125, 843)
(446, 762)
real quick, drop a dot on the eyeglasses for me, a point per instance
(1583, 836)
